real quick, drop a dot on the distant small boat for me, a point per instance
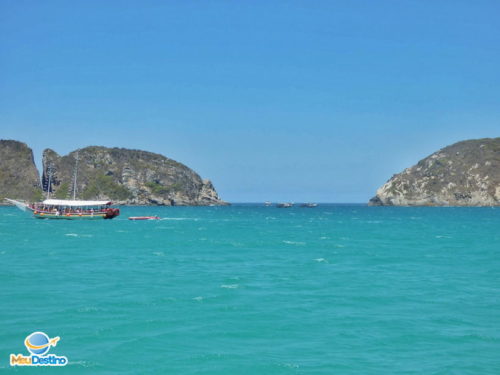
(267, 204)
(284, 205)
(309, 205)
(144, 218)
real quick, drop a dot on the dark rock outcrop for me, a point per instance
(127, 177)
(464, 174)
(19, 177)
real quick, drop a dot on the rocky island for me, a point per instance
(466, 173)
(18, 174)
(122, 175)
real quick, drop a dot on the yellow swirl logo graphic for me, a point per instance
(39, 343)
(51, 342)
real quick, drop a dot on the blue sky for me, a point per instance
(271, 100)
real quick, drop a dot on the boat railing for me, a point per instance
(67, 210)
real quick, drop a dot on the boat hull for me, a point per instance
(43, 215)
(111, 213)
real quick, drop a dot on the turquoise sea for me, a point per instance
(247, 289)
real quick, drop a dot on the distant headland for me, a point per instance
(122, 175)
(466, 173)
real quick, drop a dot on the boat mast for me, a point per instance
(75, 176)
(49, 172)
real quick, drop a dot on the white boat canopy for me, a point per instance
(65, 202)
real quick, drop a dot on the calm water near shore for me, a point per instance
(247, 289)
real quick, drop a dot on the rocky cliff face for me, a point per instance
(19, 177)
(127, 177)
(464, 174)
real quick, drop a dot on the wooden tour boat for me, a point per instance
(68, 209)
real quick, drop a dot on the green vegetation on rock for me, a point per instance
(104, 186)
(62, 191)
(37, 195)
(159, 189)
